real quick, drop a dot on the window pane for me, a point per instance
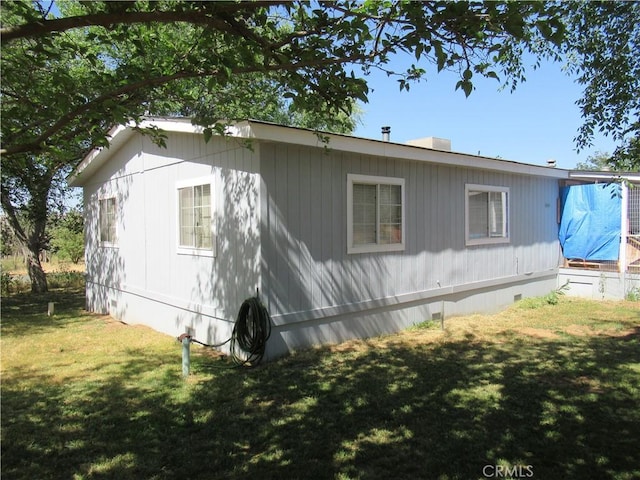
(103, 221)
(487, 214)
(186, 221)
(195, 216)
(186, 198)
(202, 213)
(202, 227)
(364, 234)
(202, 236)
(390, 194)
(364, 214)
(390, 233)
(478, 214)
(107, 219)
(112, 219)
(390, 214)
(497, 214)
(111, 207)
(202, 195)
(376, 214)
(364, 194)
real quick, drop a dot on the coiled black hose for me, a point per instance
(250, 333)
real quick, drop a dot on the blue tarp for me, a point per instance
(590, 223)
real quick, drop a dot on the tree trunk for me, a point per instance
(36, 273)
(28, 210)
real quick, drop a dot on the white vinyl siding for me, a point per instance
(108, 231)
(487, 214)
(195, 220)
(375, 214)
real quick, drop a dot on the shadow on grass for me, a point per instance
(568, 408)
(25, 313)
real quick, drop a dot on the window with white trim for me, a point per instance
(487, 214)
(375, 214)
(195, 218)
(107, 219)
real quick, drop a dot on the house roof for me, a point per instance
(269, 132)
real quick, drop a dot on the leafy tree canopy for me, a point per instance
(603, 50)
(624, 159)
(597, 161)
(67, 236)
(70, 76)
(67, 79)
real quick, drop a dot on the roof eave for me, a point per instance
(264, 131)
(117, 136)
(604, 176)
(97, 156)
(277, 133)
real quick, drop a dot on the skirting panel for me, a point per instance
(380, 320)
(599, 285)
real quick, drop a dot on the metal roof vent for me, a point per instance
(386, 133)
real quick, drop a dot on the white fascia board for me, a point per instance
(175, 125)
(117, 136)
(604, 176)
(96, 157)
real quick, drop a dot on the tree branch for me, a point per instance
(12, 216)
(38, 144)
(45, 27)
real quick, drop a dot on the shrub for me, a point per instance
(68, 244)
(426, 325)
(633, 295)
(6, 283)
(65, 279)
(551, 298)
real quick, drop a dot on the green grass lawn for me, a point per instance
(538, 391)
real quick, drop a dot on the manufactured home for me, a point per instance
(342, 237)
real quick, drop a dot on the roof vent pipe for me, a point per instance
(551, 163)
(386, 131)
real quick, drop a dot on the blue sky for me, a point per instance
(537, 122)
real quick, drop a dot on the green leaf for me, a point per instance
(466, 86)
(207, 134)
(441, 56)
